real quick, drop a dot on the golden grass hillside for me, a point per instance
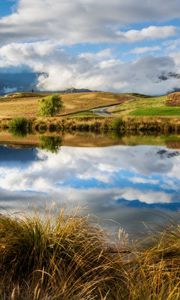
(173, 99)
(80, 105)
(70, 258)
(27, 106)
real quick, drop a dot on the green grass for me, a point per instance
(146, 106)
(72, 258)
(157, 111)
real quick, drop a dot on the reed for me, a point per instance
(70, 258)
(123, 125)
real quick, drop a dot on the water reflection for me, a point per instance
(130, 185)
(50, 143)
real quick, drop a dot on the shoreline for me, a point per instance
(90, 139)
(123, 125)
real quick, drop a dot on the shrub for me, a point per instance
(50, 106)
(19, 126)
(117, 124)
(53, 127)
(41, 127)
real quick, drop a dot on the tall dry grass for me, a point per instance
(69, 258)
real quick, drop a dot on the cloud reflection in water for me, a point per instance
(119, 182)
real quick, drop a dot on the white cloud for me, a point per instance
(148, 197)
(80, 21)
(86, 163)
(142, 50)
(151, 32)
(7, 90)
(71, 175)
(97, 71)
(143, 180)
(33, 36)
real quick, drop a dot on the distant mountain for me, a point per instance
(73, 90)
(176, 90)
(175, 206)
(12, 82)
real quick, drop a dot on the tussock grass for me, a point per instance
(126, 124)
(64, 260)
(163, 125)
(19, 126)
(155, 271)
(69, 258)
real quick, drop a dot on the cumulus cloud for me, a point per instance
(148, 197)
(98, 71)
(151, 32)
(36, 32)
(142, 50)
(85, 178)
(144, 180)
(88, 21)
(86, 164)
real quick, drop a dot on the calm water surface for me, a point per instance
(134, 187)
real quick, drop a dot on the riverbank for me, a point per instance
(73, 258)
(163, 125)
(96, 112)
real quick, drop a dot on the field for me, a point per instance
(146, 106)
(96, 111)
(81, 104)
(27, 106)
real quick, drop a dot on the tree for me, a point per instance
(50, 106)
(50, 143)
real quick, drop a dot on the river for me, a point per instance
(136, 188)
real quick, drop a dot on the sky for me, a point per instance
(117, 45)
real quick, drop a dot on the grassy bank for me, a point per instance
(120, 125)
(71, 258)
(124, 125)
(127, 113)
